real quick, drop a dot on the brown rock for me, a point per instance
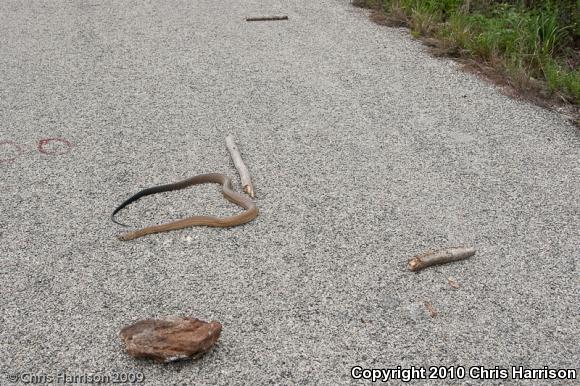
(170, 339)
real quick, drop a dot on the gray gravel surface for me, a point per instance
(364, 151)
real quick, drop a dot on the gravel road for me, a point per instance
(364, 151)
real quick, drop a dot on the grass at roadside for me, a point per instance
(534, 46)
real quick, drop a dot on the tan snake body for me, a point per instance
(250, 213)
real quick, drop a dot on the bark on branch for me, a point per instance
(247, 186)
(440, 257)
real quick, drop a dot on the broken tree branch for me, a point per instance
(247, 186)
(440, 257)
(266, 18)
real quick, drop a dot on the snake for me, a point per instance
(250, 212)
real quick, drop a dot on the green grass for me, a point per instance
(526, 41)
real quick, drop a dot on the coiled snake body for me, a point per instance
(250, 213)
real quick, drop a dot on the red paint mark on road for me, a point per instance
(54, 146)
(13, 151)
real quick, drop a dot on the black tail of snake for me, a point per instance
(250, 213)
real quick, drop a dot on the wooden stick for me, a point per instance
(247, 186)
(440, 257)
(266, 18)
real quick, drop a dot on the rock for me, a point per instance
(170, 339)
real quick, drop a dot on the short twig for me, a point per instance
(440, 257)
(245, 178)
(266, 18)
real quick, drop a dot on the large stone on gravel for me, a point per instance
(170, 339)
